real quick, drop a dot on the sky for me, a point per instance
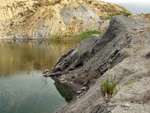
(128, 1)
(135, 6)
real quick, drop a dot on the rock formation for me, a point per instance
(122, 51)
(36, 18)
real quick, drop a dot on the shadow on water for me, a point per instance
(65, 92)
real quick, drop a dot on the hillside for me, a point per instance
(36, 18)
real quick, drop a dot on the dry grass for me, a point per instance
(126, 54)
(139, 48)
(48, 3)
(147, 63)
(148, 28)
(133, 80)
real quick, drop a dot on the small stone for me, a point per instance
(62, 79)
(135, 29)
(79, 92)
(84, 92)
(46, 70)
(125, 105)
(141, 31)
(84, 88)
(73, 77)
(44, 75)
(65, 81)
(78, 96)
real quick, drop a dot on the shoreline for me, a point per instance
(43, 39)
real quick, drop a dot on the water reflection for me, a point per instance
(29, 93)
(23, 89)
(29, 55)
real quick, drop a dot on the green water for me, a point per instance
(23, 89)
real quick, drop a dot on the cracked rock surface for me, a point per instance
(122, 51)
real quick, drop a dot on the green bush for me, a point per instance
(47, 3)
(83, 35)
(86, 34)
(57, 36)
(127, 14)
(108, 88)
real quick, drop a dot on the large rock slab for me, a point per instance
(122, 51)
(95, 55)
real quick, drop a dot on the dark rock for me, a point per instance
(79, 92)
(84, 88)
(96, 54)
(45, 71)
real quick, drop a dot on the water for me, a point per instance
(23, 89)
(134, 6)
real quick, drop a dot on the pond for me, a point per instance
(23, 89)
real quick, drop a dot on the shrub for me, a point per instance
(48, 3)
(126, 54)
(108, 88)
(133, 80)
(140, 48)
(45, 3)
(81, 36)
(57, 36)
(127, 14)
(88, 78)
(148, 28)
(86, 34)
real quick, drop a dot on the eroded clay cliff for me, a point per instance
(36, 18)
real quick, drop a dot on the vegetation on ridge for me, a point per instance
(81, 36)
(108, 88)
(48, 3)
(87, 33)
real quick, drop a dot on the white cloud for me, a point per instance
(135, 6)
